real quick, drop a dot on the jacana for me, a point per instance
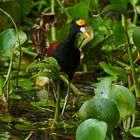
(66, 53)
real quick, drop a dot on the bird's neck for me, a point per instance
(72, 36)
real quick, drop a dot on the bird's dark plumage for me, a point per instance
(67, 55)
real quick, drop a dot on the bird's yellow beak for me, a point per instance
(85, 33)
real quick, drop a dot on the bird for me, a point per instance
(66, 53)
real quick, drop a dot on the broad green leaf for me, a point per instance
(103, 88)
(135, 131)
(120, 95)
(9, 40)
(122, 3)
(114, 70)
(119, 34)
(116, 8)
(98, 38)
(136, 37)
(91, 129)
(80, 9)
(124, 100)
(101, 109)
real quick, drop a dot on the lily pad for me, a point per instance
(91, 129)
(101, 109)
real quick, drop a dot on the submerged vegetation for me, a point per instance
(105, 90)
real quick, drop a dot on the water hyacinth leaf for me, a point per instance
(103, 88)
(116, 8)
(124, 100)
(122, 3)
(119, 34)
(135, 131)
(9, 40)
(80, 9)
(136, 37)
(101, 109)
(91, 129)
(114, 70)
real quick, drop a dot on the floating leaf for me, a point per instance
(136, 37)
(135, 131)
(103, 88)
(101, 109)
(124, 100)
(9, 40)
(91, 129)
(121, 96)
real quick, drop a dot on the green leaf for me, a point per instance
(101, 109)
(121, 96)
(95, 4)
(138, 9)
(116, 8)
(48, 67)
(133, 2)
(14, 96)
(91, 129)
(119, 34)
(122, 3)
(135, 131)
(124, 99)
(136, 37)
(9, 40)
(80, 9)
(103, 88)
(114, 70)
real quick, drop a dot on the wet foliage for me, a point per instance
(105, 90)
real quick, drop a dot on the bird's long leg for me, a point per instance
(65, 101)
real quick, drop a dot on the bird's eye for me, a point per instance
(81, 22)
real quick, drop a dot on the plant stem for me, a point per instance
(53, 30)
(52, 6)
(75, 89)
(26, 51)
(57, 109)
(64, 9)
(135, 15)
(18, 41)
(9, 71)
(134, 76)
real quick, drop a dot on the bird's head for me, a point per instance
(78, 25)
